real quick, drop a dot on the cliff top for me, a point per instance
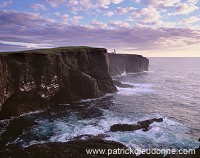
(126, 55)
(53, 50)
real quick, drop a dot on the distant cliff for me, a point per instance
(36, 79)
(129, 63)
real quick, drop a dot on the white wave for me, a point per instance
(168, 133)
(137, 90)
(34, 142)
(135, 73)
(30, 113)
(124, 73)
(93, 99)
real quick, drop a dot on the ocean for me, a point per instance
(170, 89)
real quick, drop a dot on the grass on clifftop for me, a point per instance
(52, 50)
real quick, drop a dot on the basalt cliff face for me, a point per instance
(36, 79)
(129, 63)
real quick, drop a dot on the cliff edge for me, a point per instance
(128, 63)
(36, 79)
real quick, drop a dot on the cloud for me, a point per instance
(169, 3)
(162, 4)
(146, 15)
(149, 14)
(27, 45)
(137, 1)
(75, 19)
(164, 24)
(73, 2)
(38, 7)
(65, 16)
(57, 14)
(82, 5)
(119, 24)
(109, 14)
(5, 4)
(144, 25)
(193, 1)
(86, 5)
(97, 24)
(15, 19)
(122, 11)
(55, 3)
(118, 38)
(106, 3)
(191, 19)
(186, 8)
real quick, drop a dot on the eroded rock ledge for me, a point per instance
(36, 79)
(128, 63)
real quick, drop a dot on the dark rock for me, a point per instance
(77, 149)
(145, 129)
(122, 85)
(124, 127)
(37, 79)
(15, 128)
(148, 122)
(130, 127)
(129, 63)
(72, 149)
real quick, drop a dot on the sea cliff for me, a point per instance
(127, 63)
(36, 79)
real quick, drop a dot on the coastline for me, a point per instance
(48, 148)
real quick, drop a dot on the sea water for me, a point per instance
(170, 89)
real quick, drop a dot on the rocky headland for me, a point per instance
(128, 63)
(36, 79)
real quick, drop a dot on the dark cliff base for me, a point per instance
(77, 149)
(129, 63)
(36, 79)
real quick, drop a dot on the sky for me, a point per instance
(153, 28)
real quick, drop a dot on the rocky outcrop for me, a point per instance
(72, 149)
(36, 79)
(122, 85)
(128, 63)
(77, 149)
(144, 125)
